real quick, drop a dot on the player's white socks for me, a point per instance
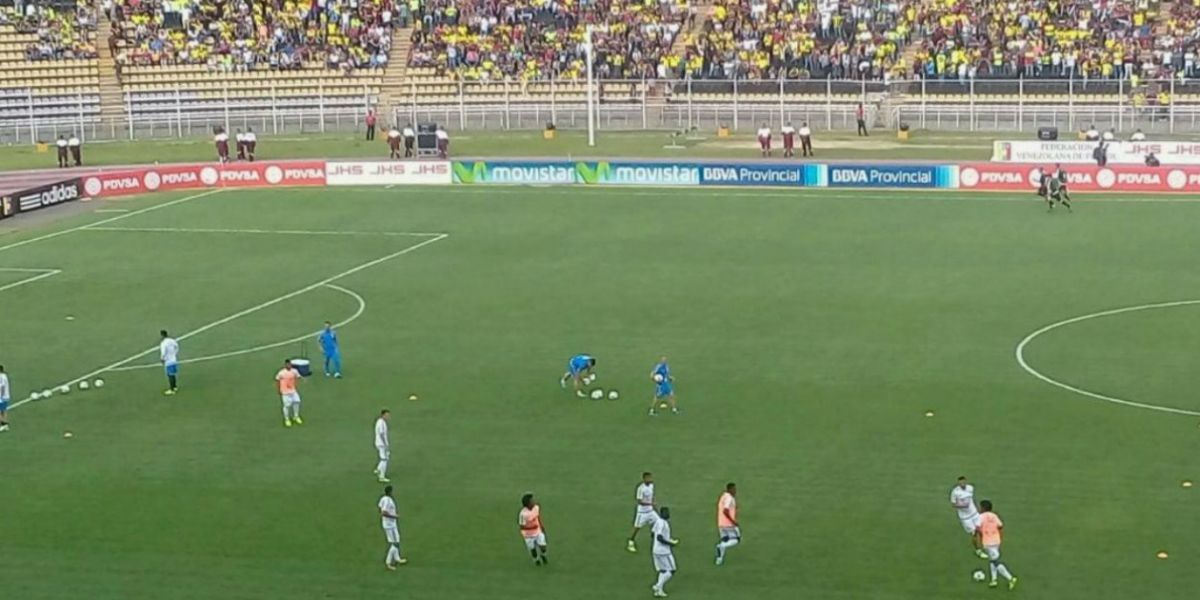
(381, 468)
(393, 555)
(663, 578)
(1003, 570)
(993, 567)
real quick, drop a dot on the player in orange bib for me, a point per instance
(286, 380)
(530, 522)
(989, 531)
(727, 524)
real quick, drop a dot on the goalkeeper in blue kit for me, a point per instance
(331, 350)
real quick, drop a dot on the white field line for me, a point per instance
(259, 231)
(252, 309)
(111, 210)
(1020, 353)
(41, 274)
(140, 211)
(362, 306)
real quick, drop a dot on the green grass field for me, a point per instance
(809, 332)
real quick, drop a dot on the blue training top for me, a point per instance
(328, 339)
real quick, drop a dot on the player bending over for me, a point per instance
(286, 379)
(168, 352)
(644, 514)
(391, 530)
(727, 524)
(664, 552)
(962, 498)
(530, 522)
(664, 389)
(580, 370)
(1055, 192)
(988, 532)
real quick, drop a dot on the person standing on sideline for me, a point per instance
(74, 145)
(286, 379)
(393, 142)
(530, 522)
(727, 524)
(371, 125)
(860, 114)
(805, 140)
(331, 350)
(241, 144)
(221, 141)
(443, 142)
(62, 151)
(988, 531)
(789, 140)
(410, 141)
(764, 140)
(644, 515)
(383, 444)
(5, 396)
(168, 353)
(251, 143)
(391, 530)
(664, 552)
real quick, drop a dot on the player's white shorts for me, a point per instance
(384, 452)
(993, 552)
(537, 540)
(643, 519)
(664, 562)
(729, 533)
(290, 399)
(392, 534)
(971, 524)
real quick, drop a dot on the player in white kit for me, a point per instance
(5, 397)
(391, 530)
(962, 498)
(645, 514)
(664, 556)
(382, 444)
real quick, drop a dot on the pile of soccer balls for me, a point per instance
(65, 389)
(598, 394)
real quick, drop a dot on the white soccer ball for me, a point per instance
(46, 393)
(658, 378)
(98, 383)
(66, 389)
(597, 394)
(613, 395)
(589, 379)
(978, 575)
(83, 385)
(35, 396)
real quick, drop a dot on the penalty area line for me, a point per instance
(41, 274)
(261, 231)
(246, 311)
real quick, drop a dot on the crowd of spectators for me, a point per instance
(65, 29)
(540, 39)
(236, 35)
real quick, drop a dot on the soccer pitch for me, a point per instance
(809, 332)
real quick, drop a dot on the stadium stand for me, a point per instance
(48, 67)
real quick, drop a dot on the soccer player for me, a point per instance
(168, 352)
(664, 557)
(383, 444)
(221, 141)
(443, 142)
(331, 350)
(789, 140)
(988, 532)
(5, 396)
(530, 522)
(76, 148)
(962, 498)
(393, 142)
(664, 389)
(391, 530)
(1061, 175)
(764, 140)
(241, 144)
(1055, 193)
(410, 140)
(805, 140)
(286, 379)
(645, 514)
(63, 162)
(579, 369)
(727, 525)
(251, 143)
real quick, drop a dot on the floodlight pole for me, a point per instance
(591, 79)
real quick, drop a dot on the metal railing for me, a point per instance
(967, 105)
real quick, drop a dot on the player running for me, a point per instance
(962, 498)
(988, 532)
(530, 522)
(1064, 195)
(664, 389)
(168, 352)
(382, 444)
(727, 524)
(5, 398)
(645, 514)
(580, 369)
(286, 379)
(391, 530)
(332, 351)
(664, 555)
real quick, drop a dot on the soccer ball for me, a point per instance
(66, 389)
(613, 395)
(83, 385)
(597, 394)
(658, 378)
(978, 575)
(98, 383)
(35, 396)
(46, 393)
(589, 379)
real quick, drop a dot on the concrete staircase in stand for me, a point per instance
(394, 89)
(112, 98)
